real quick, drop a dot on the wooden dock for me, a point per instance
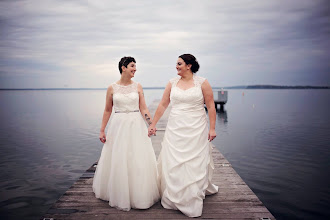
(235, 200)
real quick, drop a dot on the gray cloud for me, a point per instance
(78, 44)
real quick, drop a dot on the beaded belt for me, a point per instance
(127, 111)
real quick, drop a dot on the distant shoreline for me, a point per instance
(275, 87)
(226, 87)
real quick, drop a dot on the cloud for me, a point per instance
(80, 43)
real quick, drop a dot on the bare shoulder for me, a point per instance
(139, 87)
(169, 85)
(206, 84)
(110, 89)
(206, 88)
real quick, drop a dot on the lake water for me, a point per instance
(277, 140)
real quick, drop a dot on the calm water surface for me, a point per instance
(277, 140)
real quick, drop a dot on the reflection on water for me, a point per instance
(47, 139)
(222, 116)
(277, 140)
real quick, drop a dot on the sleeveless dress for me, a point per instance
(126, 174)
(185, 162)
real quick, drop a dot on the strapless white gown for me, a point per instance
(126, 174)
(185, 162)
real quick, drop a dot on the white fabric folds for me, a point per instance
(126, 173)
(185, 162)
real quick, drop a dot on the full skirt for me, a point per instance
(185, 163)
(126, 174)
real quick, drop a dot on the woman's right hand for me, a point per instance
(152, 130)
(102, 137)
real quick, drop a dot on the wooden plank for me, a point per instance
(235, 200)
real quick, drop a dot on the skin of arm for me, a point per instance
(160, 109)
(106, 114)
(143, 106)
(209, 101)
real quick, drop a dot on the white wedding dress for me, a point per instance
(126, 174)
(185, 162)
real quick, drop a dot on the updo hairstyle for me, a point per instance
(190, 59)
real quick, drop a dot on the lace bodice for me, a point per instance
(191, 99)
(125, 98)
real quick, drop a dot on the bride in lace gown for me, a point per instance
(126, 174)
(185, 164)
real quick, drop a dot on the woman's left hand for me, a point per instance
(212, 135)
(152, 130)
(102, 137)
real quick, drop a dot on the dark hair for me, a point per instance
(190, 59)
(124, 62)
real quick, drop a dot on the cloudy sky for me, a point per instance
(54, 43)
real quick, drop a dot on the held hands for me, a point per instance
(212, 135)
(102, 137)
(152, 130)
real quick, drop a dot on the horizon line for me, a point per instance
(260, 86)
